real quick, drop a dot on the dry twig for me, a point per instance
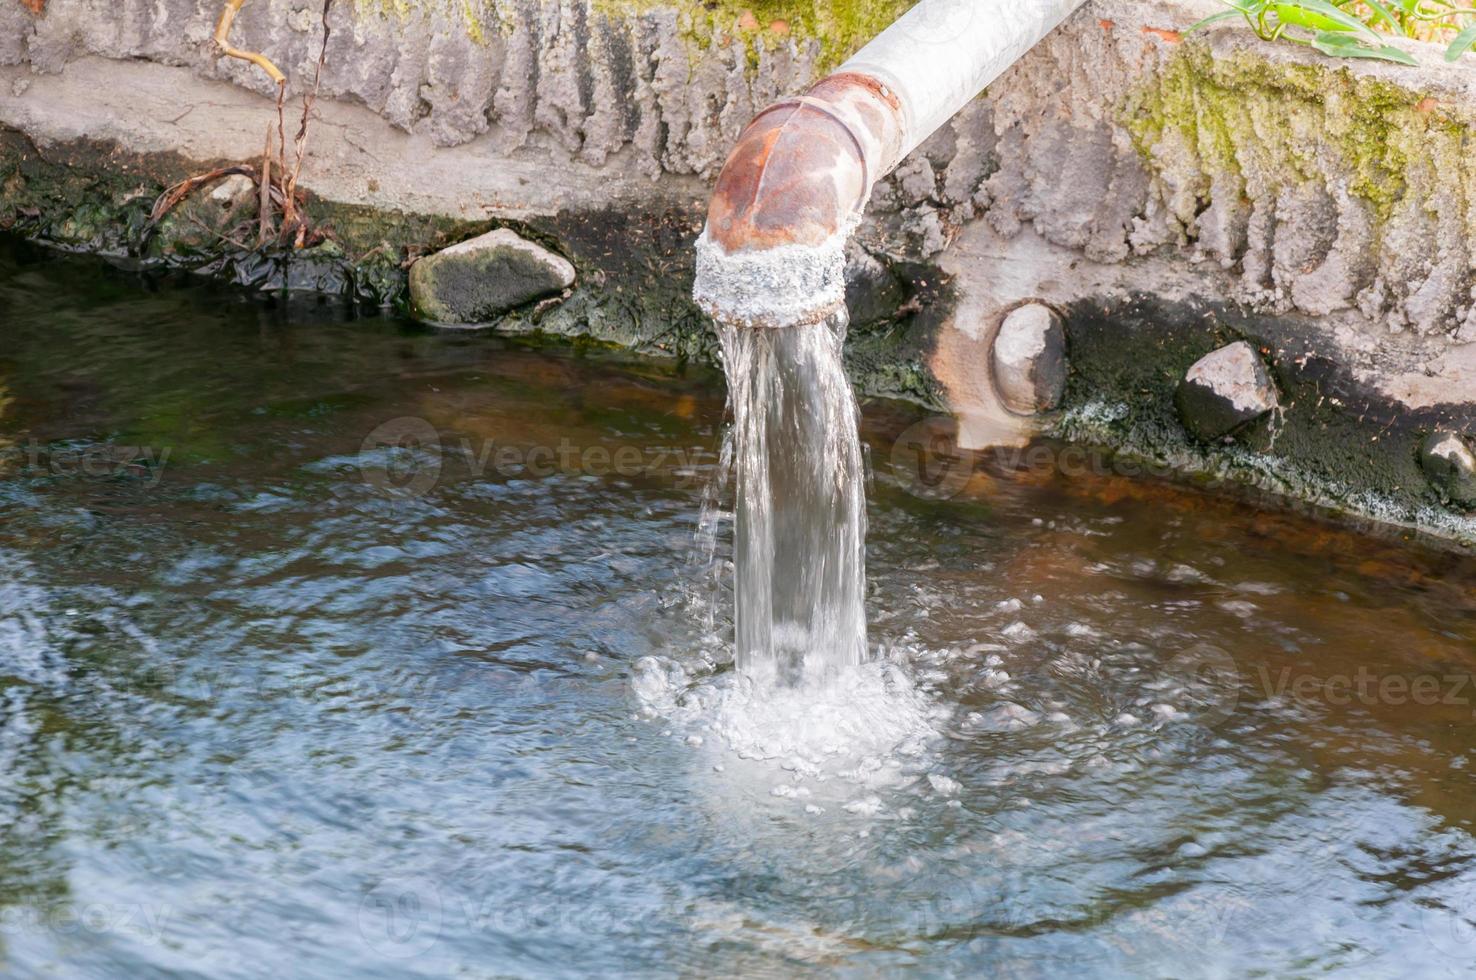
(300, 143)
(170, 199)
(222, 41)
(266, 190)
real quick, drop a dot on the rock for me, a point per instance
(1030, 360)
(1450, 464)
(1224, 390)
(234, 192)
(481, 279)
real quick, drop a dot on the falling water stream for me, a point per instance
(800, 522)
(809, 693)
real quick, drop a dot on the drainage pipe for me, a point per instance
(795, 185)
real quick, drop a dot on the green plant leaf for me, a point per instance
(1341, 45)
(1385, 13)
(1319, 15)
(1464, 41)
(1214, 19)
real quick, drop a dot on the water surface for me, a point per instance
(277, 697)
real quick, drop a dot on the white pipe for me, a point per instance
(942, 53)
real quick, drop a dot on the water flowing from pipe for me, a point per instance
(771, 271)
(800, 504)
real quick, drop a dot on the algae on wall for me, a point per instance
(1329, 189)
(838, 27)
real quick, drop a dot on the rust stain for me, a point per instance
(1427, 105)
(837, 84)
(1106, 25)
(798, 169)
(1172, 37)
(35, 6)
(779, 28)
(747, 21)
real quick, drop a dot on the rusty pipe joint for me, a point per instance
(803, 168)
(787, 198)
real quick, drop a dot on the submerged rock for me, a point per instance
(481, 279)
(1450, 464)
(1030, 360)
(1224, 390)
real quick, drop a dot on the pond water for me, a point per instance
(336, 648)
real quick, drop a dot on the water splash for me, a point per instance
(800, 507)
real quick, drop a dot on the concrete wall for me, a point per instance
(1325, 210)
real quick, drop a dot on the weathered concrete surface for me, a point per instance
(1323, 187)
(1326, 208)
(357, 156)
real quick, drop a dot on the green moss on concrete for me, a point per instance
(89, 197)
(1262, 120)
(1336, 442)
(480, 18)
(837, 27)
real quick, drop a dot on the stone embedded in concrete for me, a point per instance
(481, 279)
(1029, 360)
(234, 192)
(1225, 390)
(1450, 464)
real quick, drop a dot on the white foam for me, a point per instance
(869, 724)
(784, 286)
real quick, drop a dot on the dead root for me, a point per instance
(276, 179)
(172, 198)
